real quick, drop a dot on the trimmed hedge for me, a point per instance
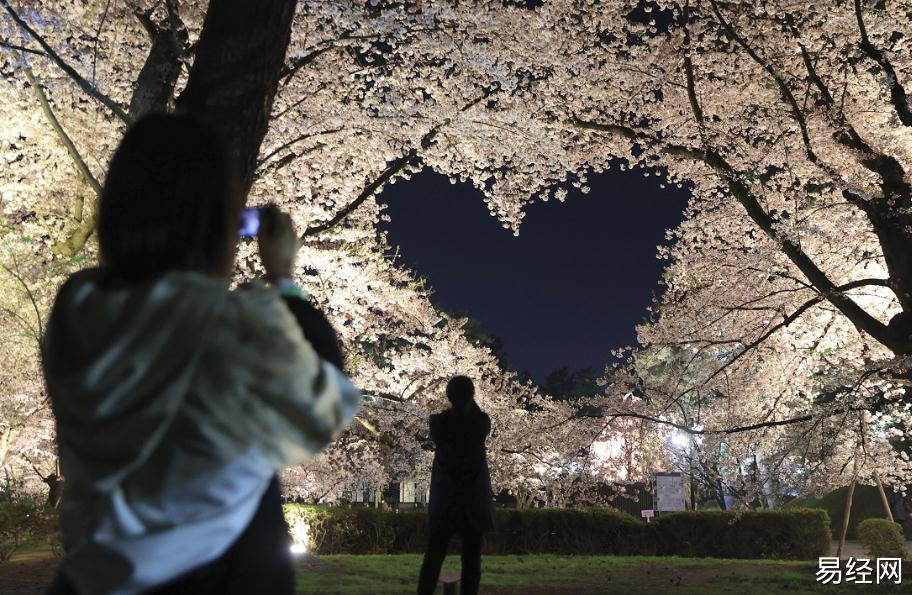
(560, 531)
(798, 534)
(790, 535)
(370, 531)
(343, 530)
(882, 538)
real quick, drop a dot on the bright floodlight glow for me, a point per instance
(299, 536)
(680, 440)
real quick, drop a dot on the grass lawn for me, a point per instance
(31, 571)
(540, 574)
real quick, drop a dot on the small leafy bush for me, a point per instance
(342, 530)
(882, 538)
(25, 522)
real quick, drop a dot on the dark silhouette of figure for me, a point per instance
(461, 501)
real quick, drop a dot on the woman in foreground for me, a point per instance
(177, 400)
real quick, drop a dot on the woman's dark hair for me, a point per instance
(167, 201)
(460, 390)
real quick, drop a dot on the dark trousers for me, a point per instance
(258, 562)
(438, 540)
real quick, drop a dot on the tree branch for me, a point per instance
(745, 428)
(145, 19)
(851, 138)
(31, 296)
(154, 88)
(821, 282)
(784, 90)
(897, 92)
(885, 213)
(61, 133)
(85, 85)
(83, 231)
(383, 395)
(293, 141)
(298, 63)
(20, 48)
(392, 168)
(104, 17)
(860, 318)
(790, 319)
(689, 76)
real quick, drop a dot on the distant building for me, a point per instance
(406, 494)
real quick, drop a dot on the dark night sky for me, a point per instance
(565, 292)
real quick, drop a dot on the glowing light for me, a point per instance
(680, 440)
(299, 537)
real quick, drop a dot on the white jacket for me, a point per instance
(176, 402)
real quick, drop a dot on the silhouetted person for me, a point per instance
(461, 501)
(177, 400)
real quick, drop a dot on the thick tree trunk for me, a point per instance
(693, 489)
(845, 518)
(235, 74)
(154, 89)
(720, 495)
(523, 499)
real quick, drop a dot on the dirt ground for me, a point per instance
(31, 574)
(28, 574)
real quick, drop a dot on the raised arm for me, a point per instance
(276, 393)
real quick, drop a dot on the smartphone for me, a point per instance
(250, 222)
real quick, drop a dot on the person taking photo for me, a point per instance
(177, 400)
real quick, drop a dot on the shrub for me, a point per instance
(25, 522)
(367, 530)
(341, 530)
(882, 538)
(798, 534)
(866, 504)
(410, 530)
(793, 535)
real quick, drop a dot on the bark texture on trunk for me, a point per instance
(235, 74)
(154, 89)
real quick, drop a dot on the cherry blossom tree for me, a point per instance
(789, 123)
(786, 281)
(345, 122)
